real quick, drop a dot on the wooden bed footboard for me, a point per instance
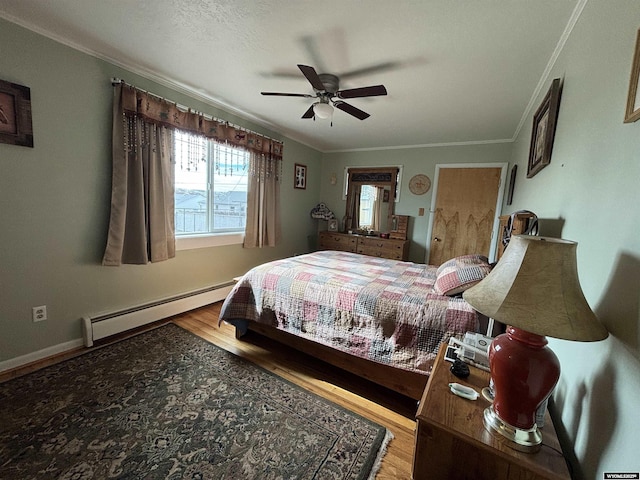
(408, 383)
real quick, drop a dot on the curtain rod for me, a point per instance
(115, 81)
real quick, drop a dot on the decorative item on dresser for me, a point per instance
(374, 246)
(399, 227)
(321, 212)
(522, 222)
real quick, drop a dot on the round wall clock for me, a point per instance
(419, 184)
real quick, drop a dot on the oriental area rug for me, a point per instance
(166, 404)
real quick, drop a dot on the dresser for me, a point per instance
(392, 248)
(452, 442)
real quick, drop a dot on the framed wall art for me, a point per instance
(300, 176)
(512, 184)
(15, 114)
(544, 129)
(633, 98)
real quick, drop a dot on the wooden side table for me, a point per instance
(452, 442)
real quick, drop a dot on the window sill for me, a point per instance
(192, 242)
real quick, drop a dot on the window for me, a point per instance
(210, 186)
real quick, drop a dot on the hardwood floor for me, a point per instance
(385, 407)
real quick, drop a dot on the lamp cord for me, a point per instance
(559, 452)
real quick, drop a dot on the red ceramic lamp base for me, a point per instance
(524, 372)
(524, 440)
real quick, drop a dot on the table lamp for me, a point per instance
(535, 291)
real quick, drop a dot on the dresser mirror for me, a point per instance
(371, 194)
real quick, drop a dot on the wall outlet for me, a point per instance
(39, 314)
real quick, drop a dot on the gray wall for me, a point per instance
(55, 202)
(590, 194)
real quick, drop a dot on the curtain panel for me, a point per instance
(141, 224)
(263, 202)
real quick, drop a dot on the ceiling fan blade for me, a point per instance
(380, 67)
(372, 91)
(370, 69)
(309, 113)
(351, 110)
(312, 76)
(282, 74)
(314, 50)
(278, 94)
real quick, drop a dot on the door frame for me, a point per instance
(496, 221)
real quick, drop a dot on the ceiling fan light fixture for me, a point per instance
(322, 110)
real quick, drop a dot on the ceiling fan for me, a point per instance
(326, 87)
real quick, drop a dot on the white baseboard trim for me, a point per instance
(109, 324)
(40, 354)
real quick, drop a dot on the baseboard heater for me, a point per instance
(105, 325)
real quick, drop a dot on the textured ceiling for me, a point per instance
(457, 71)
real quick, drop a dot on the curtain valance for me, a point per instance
(163, 112)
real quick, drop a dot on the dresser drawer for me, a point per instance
(386, 243)
(393, 254)
(383, 248)
(337, 241)
(373, 246)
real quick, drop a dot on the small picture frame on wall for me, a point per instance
(544, 129)
(300, 176)
(512, 184)
(632, 112)
(15, 114)
(332, 225)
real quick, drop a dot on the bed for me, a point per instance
(381, 319)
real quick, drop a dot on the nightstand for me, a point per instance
(452, 443)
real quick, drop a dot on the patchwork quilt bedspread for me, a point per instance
(379, 309)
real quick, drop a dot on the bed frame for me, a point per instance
(407, 383)
(410, 384)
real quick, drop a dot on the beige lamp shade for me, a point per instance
(535, 287)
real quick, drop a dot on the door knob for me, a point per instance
(436, 239)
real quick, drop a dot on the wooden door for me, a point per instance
(464, 213)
